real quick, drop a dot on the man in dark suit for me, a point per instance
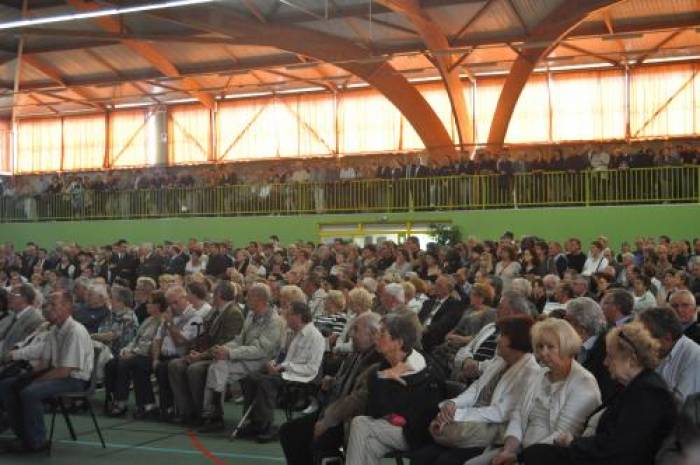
(188, 374)
(575, 258)
(219, 261)
(151, 264)
(29, 259)
(124, 264)
(440, 314)
(587, 318)
(177, 260)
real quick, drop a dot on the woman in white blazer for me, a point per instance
(558, 400)
(476, 418)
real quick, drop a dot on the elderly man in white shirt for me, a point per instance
(680, 356)
(68, 361)
(180, 326)
(301, 364)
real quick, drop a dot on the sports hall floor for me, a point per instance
(132, 442)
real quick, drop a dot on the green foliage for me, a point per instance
(446, 234)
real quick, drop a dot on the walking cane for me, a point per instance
(247, 413)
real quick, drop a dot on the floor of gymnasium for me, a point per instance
(132, 442)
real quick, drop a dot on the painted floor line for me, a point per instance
(174, 450)
(203, 449)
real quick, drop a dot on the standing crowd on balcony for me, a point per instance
(567, 175)
(506, 162)
(486, 352)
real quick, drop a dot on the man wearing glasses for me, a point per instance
(683, 303)
(680, 357)
(67, 366)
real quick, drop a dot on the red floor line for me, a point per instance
(203, 450)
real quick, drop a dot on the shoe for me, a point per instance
(271, 434)
(312, 407)
(18, 446)
(151, 414)
(238, 400)
(212, 425)
(116, 411)
(249, 430)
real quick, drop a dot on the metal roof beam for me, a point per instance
(146, 51)
(375, 71)
(436, 40)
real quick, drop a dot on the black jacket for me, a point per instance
(125, 267)
(176, 264)
(693, 332)
(218, 264)
(576, 261)
(442, 323)
(152, 266)
(632, 427)
(595, 363)
(417, 402)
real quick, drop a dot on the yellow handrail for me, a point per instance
(677, 184)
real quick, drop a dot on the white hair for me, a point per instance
(551, 281)
(396, 291)
(587, 314)
(370, 284)
(521, 286)
(100, 290)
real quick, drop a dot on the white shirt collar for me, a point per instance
(590, 342)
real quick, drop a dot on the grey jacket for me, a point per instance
(25, 325)
(261, 337)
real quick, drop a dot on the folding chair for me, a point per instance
(85, 395)
(295, 396)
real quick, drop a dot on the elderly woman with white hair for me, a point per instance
(95, 310)
(402, 397)
(634, 423)
(521, 285)
(557, 402)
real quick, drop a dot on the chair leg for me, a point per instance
(53, 425)
(69, 424)
(94, 422)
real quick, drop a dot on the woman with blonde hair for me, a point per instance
(420, 295)
(635, 421)
(359, 301)
(559, 399)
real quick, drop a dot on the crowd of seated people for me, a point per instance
(479, 352)
(572, 158)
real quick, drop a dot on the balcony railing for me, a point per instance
(679, 184)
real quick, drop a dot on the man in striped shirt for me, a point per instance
(471, 359)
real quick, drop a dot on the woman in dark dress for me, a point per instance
(634, 422)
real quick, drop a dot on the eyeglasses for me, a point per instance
(624, 337)
(680, 304)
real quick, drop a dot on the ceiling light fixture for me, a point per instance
(99, 13)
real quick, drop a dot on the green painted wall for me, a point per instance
(618, 223)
